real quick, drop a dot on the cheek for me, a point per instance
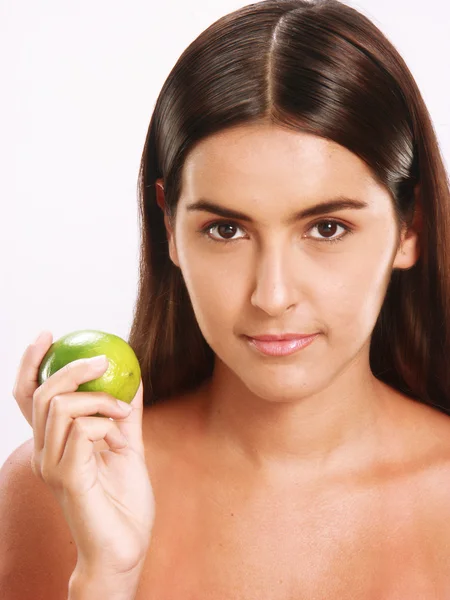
(216, 292)
(353, 298)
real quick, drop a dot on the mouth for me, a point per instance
(280, 347)
(268, 337)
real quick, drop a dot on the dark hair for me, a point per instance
(320, 67)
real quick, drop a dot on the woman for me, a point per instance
(291, 187)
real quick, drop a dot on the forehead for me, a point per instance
(255, 159)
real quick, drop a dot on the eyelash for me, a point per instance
(205, 231)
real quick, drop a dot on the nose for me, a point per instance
(276, 282)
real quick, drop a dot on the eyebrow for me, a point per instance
(333, 205)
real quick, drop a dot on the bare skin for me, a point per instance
(277, 275)
(300, 477)
(376, 529)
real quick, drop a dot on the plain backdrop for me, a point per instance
(79, 81)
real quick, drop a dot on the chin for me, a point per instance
(279, 389)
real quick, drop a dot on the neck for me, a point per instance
(335, 428)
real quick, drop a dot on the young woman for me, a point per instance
(290, 438)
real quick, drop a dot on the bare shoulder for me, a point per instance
(172, 428)
(425, 425)
(34, 536)
(419, 436)
(426, 430)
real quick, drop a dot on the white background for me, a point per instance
(78, 85)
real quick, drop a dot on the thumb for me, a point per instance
(131, 426)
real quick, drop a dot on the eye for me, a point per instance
(333, 224)
(227, 228)
(224, 228)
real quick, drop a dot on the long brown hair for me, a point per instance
(321, 67)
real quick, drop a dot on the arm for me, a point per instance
(85, 586)
(38, 557)
(37, 553)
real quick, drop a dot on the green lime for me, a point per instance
(122, 377)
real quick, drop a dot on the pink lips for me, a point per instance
(272, 346)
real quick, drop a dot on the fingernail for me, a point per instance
(98, 361)
(124, 407)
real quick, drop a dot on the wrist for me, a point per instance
(94, 584)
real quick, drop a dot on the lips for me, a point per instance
(282, 347)
(281, 337)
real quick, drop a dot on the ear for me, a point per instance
(160, 199)
(409, 247)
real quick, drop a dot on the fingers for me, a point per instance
(66, 470)
(131, 427)
(67, 409)
(64, 381)
(27, 374)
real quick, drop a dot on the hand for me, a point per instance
(106, 496)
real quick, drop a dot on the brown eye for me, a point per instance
(327, 231)
(226, 230)
(327, 228)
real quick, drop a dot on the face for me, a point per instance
(268, 273)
